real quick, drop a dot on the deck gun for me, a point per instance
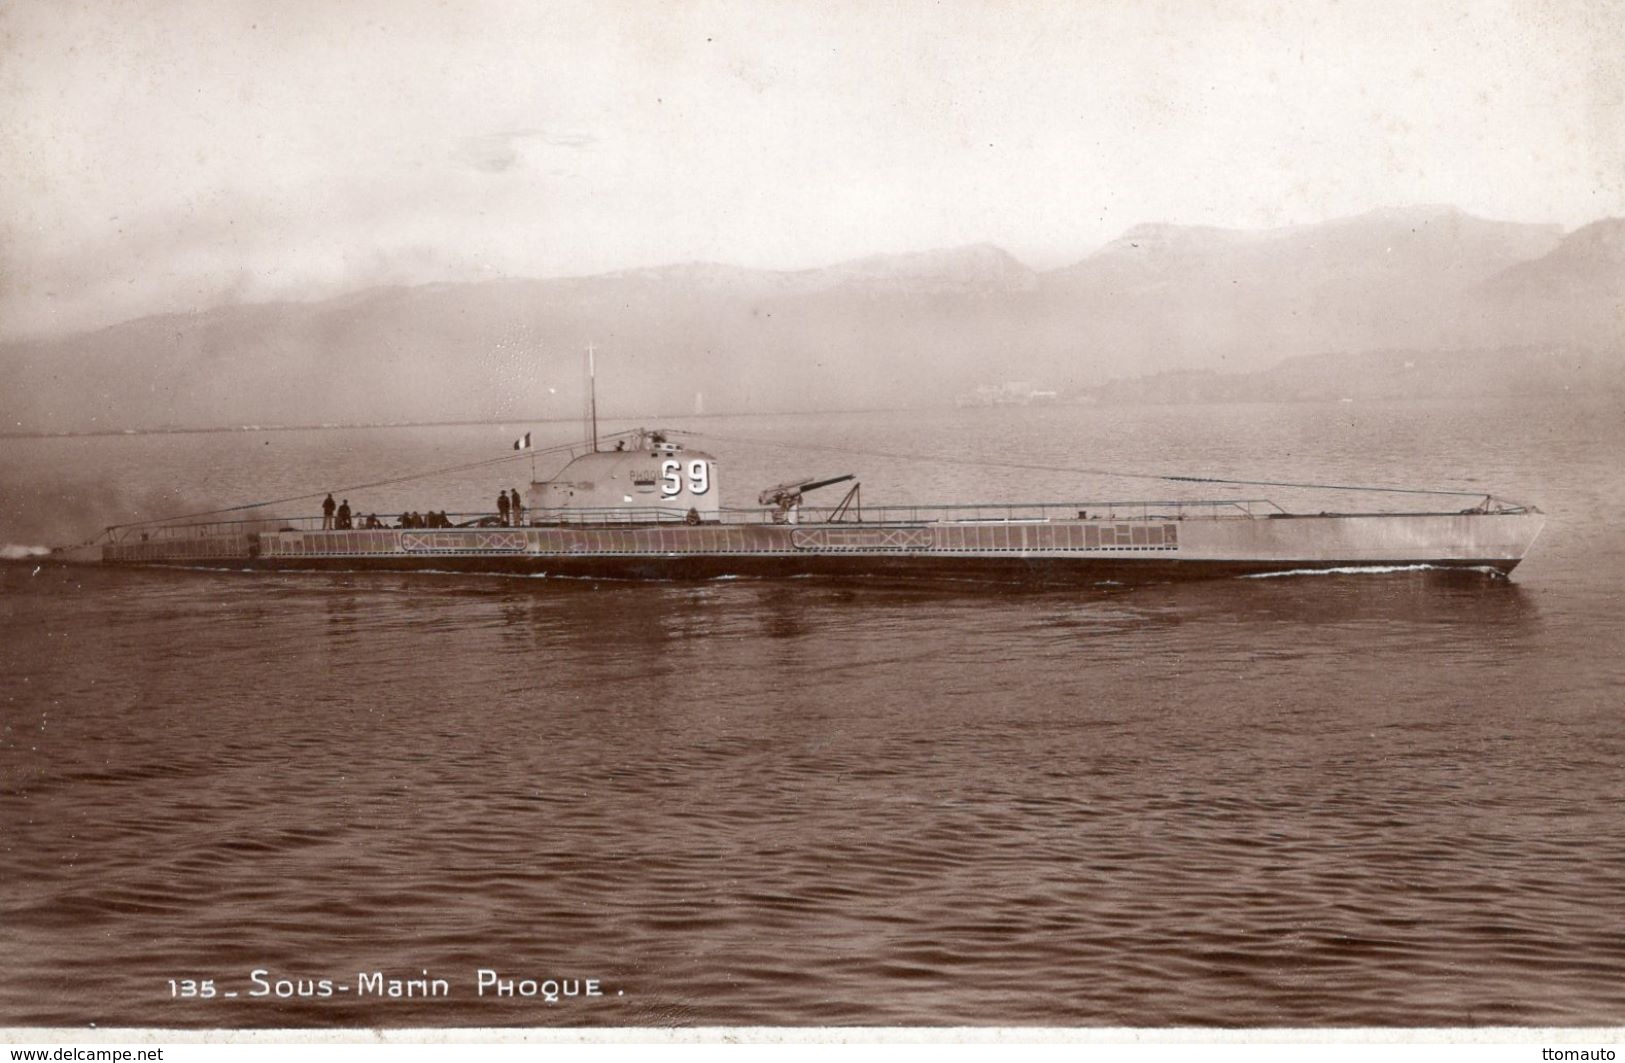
(786, 497)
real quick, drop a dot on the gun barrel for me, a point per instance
(795, 487)
(826, 483)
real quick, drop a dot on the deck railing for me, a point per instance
(1028, 512)
(1000, 513)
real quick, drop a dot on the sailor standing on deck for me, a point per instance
(327, 513)
(502, 507)
(518, 510)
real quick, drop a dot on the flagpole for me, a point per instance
(592, 394)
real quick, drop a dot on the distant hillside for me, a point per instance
(981, 269)
(1241, 300)
(1576, 292)
(1385, 375)
(887, 331)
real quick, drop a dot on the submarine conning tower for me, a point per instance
(648, 477)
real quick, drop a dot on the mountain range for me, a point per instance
(886, 331)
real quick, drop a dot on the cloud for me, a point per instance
(244, 251)
(492, 154)
(502, 152)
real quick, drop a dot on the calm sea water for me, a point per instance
(1323, 800)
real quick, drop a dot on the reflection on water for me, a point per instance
(1384, 799)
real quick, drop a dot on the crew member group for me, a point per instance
(338, 516)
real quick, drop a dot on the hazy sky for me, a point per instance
(164, 156)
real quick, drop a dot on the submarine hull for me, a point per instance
(1086, 551)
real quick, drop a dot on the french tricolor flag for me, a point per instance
(522, 443)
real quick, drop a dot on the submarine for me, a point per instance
(650, 508)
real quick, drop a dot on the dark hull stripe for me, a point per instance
(1043, 570)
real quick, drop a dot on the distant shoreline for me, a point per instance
(217, 429)
(371, 426)
(1372, 376)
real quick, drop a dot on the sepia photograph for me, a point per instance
(737, 515)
